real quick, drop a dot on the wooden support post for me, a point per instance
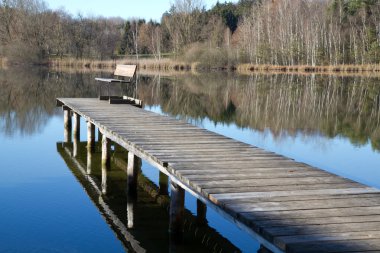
(177, 205)
(163, 184)
(201, 213)
(91, 136)
(133, 167)
(67, 124)
(106, 152)
(76, 131)
(106, 161)
(76, 134)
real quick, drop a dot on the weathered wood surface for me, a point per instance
(125, 70)
(128, 71)
(295, 207)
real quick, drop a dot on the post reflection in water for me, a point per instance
(163, 183)
(140, 221)
(106, 162)
(90, 145)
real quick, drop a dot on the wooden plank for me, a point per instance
(270, 182)
(220, 159)
(368, 245)
(275, 188)
(305, 205)
(319, 229)
(357, 190)
(298, 198)
(204, 172)
(317, 221)
(254, 175)
(296, 241)
(253, 217)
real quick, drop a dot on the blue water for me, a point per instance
(45, 209)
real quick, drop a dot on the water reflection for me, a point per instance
(27, 96)
(286, 105)
(141, 222)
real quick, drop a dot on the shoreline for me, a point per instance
(174, 66)
(168, 64)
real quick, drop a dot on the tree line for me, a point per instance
(277, 32)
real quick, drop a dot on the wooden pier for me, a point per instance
(286, 205)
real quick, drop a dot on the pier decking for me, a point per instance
(288, 206)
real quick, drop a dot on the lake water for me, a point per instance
(48, 204)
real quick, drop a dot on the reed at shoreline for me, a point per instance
(167, 64)
(3, 62)
(149, 64)
(347, 68)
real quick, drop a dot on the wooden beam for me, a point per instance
(58, 103)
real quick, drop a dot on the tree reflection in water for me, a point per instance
(285, 104)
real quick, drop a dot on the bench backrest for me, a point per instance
(125, 70)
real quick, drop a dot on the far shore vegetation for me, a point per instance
(251, 35)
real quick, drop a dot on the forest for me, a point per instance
(273, 32)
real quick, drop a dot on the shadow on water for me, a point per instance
(140, 222)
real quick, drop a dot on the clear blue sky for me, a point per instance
(148, 9)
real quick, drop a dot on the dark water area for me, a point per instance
(50, 203)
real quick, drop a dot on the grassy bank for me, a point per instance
(170, 65)
(375, 68)
(148, 64)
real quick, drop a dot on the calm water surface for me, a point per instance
(50, 205)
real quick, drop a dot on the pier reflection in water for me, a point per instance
(141, 219)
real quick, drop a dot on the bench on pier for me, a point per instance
(123, 74)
